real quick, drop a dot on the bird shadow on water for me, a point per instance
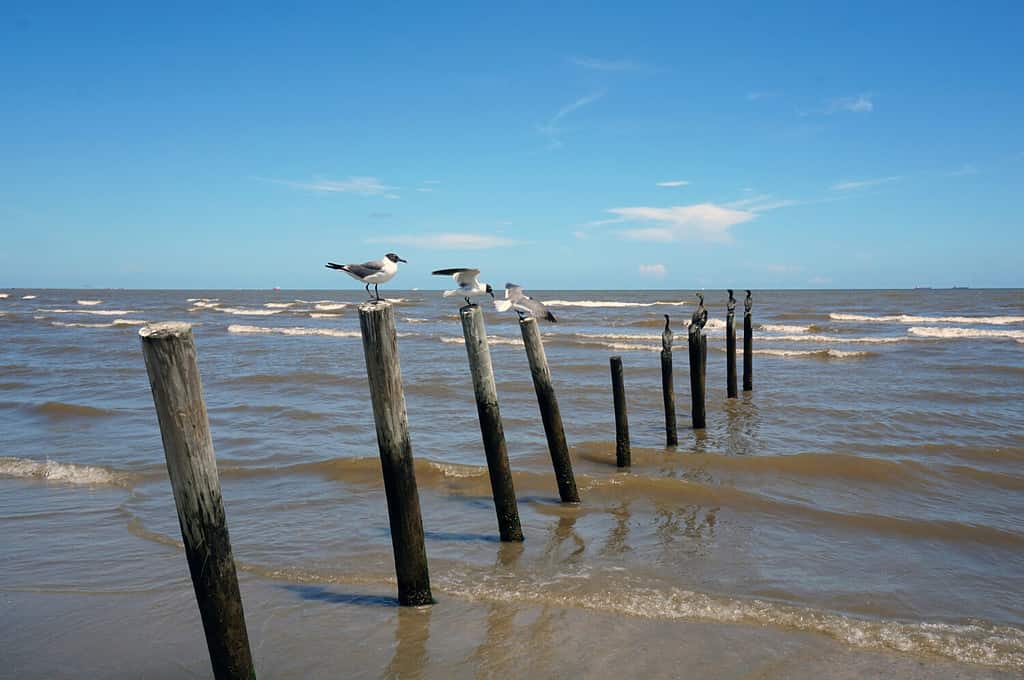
(321, 594)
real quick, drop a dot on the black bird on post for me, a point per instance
(730, 347)
(698, 361)
(666, 336)
(748, 345)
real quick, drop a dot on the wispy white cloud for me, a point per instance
(861, 103)
(605, 64)
(361, 186)
(656, 270)
(703, 221)
(673, 183)
(965, 170)
(762, 203)
(860, 184)
(447, 241)
(552, 131)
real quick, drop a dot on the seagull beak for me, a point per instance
(405, 261)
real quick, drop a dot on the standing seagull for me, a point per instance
(374, 271)
(700, 315)
(524, 305)
(468, 282)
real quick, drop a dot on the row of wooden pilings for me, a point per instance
(170, 357)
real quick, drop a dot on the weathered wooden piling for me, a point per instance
(380, 345)
(730, 348)
(668, 390)
(170, 354)
(549, 412)
(491, 429)
(748, 345)
(622, 453)
(697, 341)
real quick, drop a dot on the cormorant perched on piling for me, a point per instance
(748, 304)
(666, 336)
(731, 303)
(700, 315)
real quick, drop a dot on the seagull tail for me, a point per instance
(502, 305)
(331, 265)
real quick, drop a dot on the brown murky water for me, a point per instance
(857, 514)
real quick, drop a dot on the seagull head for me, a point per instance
(489, 290)
(395, 258)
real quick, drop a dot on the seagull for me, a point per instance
(700, 315)
(374, 271)
(524, 305)
(468, 282)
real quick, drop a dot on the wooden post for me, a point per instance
(697, 342)
(622, 453)
(490, 423)
(730, 354)
(668, 390)
(549, 412)
(170, 355)
(748, 347)
(380, 346)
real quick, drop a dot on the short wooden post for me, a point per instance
(730, 354)
(748, 346)
(697, 342)
(380, 346)
(622, 453)
(549, 412)
(491, 428)
(170, 354)
(668, 390)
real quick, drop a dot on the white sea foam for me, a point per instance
(67, 473)
(4, 296)
(331, 306)
(606, 303)
(89, 303)
(783, 328)
(619, 336)
(976, 642)
(323, 315)
(206, 300)
(927, 332)
(97, 312)
(908, 319)
(240, 311)
(836, 339)
(205, 304)
(330, 332)
(28, 297)
(410, 319)
(491, 340)
(113, 324)
(278, 305)
(814, 353)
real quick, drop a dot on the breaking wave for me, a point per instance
(89, 303)
(815, 353)
(97, 312)
(67, 473)
(331, 306)
(908, 319)
(926, 332)
(607, 303)
(278, 305)
(329, 332)
(247, 312)
(783, 328)
(113, 324)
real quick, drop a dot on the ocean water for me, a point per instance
(868, 492)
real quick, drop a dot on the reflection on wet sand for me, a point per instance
(412, 632)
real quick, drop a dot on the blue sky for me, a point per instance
(646, 146)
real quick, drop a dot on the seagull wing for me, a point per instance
(513, 291)
(360, 270)
(534, 308)
(465, 277)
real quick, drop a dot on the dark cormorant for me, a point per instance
(700, 315)
(666, 336)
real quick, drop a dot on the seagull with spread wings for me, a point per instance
(523, 304)
(468, 281)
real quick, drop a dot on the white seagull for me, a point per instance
(374, 271)
(468, 281)
(524, 305)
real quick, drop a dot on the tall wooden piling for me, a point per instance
(622, 453)
(491, 428)
(697, 342)
(380, 345)
(668, 390)
(549, 412)
(170, 354)
(748, 346)
(730, 349)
